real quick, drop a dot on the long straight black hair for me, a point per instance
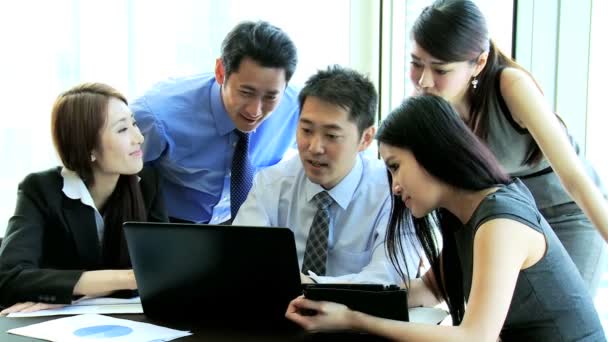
(445, 147)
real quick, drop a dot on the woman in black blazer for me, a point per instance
(65, 238)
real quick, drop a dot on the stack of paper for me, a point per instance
(101, 305)
(98, 327)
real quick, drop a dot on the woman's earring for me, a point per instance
(474, 82)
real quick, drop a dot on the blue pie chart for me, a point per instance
(103, 331)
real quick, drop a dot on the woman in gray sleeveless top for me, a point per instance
(500, 268)
(454, 58)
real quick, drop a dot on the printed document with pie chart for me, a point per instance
(98, 327)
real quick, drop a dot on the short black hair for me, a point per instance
(264, 43)
(346, 88)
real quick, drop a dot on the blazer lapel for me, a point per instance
(81, 221)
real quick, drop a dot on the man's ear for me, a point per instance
(219, 71)
(366, 138)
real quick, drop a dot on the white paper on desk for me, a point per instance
(106, 300)
(98, 327)
(100, 305)
(427, 315)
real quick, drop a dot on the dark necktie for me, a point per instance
(315, 255)
(242, 173)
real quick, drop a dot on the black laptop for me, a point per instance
(212, 272)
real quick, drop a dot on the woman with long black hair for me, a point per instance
(495, 260)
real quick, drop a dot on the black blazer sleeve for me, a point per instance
(52, 239)
(152, 195)
(23, 276)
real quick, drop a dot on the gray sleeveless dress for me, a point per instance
(550, 301)
(509, 143)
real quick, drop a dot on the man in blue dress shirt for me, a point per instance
(336, 125)
(192, 124)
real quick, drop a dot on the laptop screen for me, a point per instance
(212, 271)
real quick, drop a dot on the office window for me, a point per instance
(597, 119)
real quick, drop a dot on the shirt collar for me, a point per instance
(344, 191)
(74, 188)
(223, 123)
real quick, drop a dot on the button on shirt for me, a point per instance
(190, 139)
(281, 196)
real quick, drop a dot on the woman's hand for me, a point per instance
(29, 307)
(128, 277)
(99, 283)
(319, 316)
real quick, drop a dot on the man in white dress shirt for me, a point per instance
(335, 126)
